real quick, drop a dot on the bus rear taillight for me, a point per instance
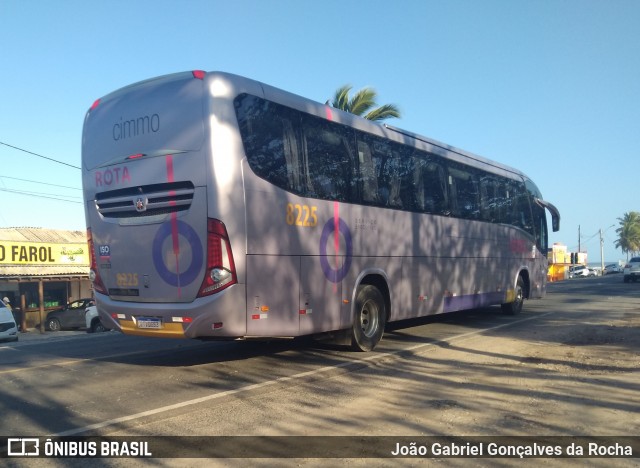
(94, 273)
(221, 271)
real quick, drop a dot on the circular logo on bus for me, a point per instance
(175, 273)
(331, 232)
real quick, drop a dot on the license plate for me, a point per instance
(149, 323)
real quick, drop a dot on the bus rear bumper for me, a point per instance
(217, 316)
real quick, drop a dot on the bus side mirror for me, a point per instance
(555, 214)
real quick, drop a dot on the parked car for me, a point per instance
(71, 316)
(579, 271)
(8, 326)
(632, 270)
(611, 269)
(92, 320)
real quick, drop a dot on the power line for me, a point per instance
(38, 155)
(50, 196)
(37, 182)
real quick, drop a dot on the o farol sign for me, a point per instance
(40, 253)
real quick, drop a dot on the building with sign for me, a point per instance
(42, 269)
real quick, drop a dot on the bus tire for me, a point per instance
(515, 307)
(370, 318)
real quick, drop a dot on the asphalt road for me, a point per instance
(566, 366)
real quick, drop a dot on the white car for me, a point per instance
(579, 271)
(8, 326)
(611, 269)
(94, 325)
(632, 270)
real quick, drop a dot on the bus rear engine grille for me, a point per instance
(149, 200)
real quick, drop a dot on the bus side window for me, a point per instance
(464, 192)
(435, 189)
(411, 191)
(367, 174)
(484, 199)
(540, 225)
(327, 159)
(522, 208)
(397, 176)
(270, 137)
(417, 188)
(292, 156)
(382, 159)
(490, 200)
(395, 179)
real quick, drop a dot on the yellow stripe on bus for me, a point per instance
(510, 296)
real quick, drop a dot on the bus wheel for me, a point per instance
(515, 307)
(369, 319)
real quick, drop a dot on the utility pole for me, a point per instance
(579, 248)
(602, 248)
(601, 253)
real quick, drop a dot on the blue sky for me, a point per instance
(551, 87)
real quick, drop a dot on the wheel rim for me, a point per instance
(369, 318)
(53, 325)
(519, 299)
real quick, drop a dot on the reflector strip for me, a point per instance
(182, 319)
(259, 316)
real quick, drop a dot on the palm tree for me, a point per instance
(629, 233)
(363, 103)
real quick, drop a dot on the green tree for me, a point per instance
(363, 103)
(629, 233)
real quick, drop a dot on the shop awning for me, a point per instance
(33, 272)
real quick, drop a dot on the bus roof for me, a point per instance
(240, 84)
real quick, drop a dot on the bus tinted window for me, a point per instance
(316, 158)
(520, 208)
(463, 184)
(494, 199)
(367, 175)
(327, 159)
(297, 152)
(436, 195)
(270, 136)
(398, 176)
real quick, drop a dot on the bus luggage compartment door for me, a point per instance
(273, 295)
(320, 299)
